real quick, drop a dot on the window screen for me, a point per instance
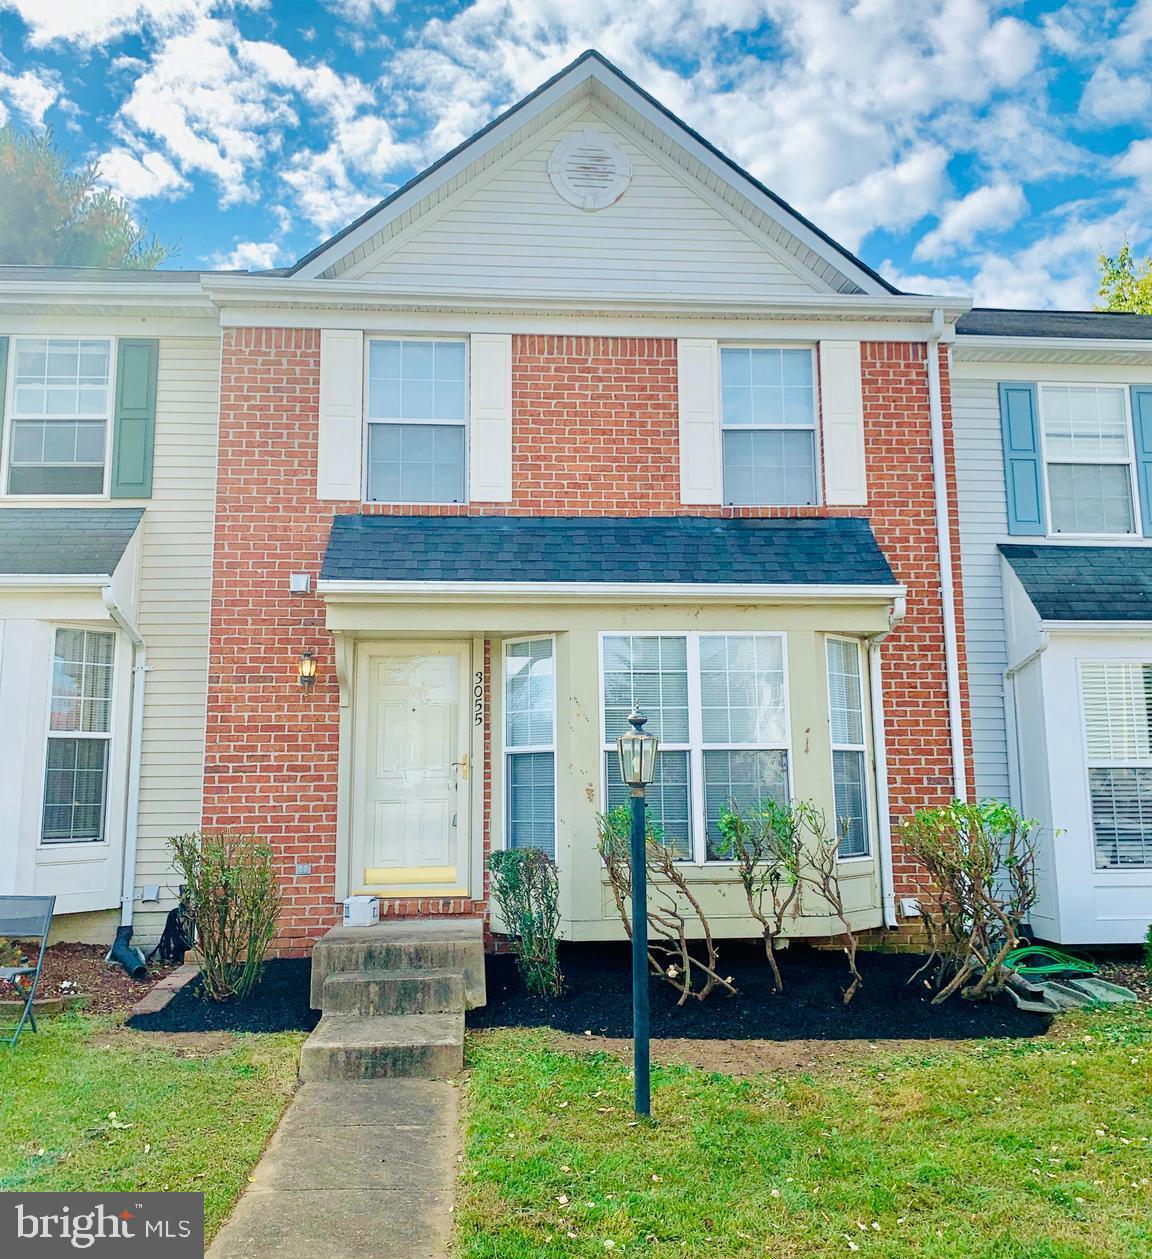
(1117, 699)
(529, 744)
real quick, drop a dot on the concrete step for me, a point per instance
(384, 1046)
(394, 992)
(404, 944)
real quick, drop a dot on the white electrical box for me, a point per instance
(361, 911)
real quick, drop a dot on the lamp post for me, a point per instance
(637, 752)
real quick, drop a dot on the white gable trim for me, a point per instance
(592, 75)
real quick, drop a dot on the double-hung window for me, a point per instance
(1117, 699)
(60, 403)
(719, 704)
(849, 751)
(768, 426)
(530, 744)
(417, 421)
(79, 733)
(1088, 456)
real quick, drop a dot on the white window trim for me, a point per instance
(369, 339)
(1095, 870)
(1130, 460)
(834, 747)
(695, 747)
(80, 845)
(9, 387)
(507, 750)
(815, 428)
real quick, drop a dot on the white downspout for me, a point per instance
(880, 756)
(135, 745)
(944, 548)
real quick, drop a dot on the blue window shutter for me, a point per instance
(1023, 474)
(135, 434)
(1142, 432)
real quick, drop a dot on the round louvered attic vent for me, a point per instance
(589, 170)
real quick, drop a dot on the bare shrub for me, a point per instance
(979, 861)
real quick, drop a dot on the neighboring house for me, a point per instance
(581, 417)
(109, 395)
(1053, 415)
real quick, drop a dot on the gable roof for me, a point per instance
(1085, 583)
(588, 70)
(562, 550)
(65, 541)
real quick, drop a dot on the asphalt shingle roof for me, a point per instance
(105, 275)
(1085, 583)
(1097, 324)
(666, 550)
(65, 540)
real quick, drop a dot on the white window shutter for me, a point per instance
(490, 438)
(701, 461)
(341, 439)
(842, 424)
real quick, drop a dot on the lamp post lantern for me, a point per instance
(637, 751)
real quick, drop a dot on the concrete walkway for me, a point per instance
(355, 1168)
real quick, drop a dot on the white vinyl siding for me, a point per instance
(768, 418)
(417, 421)
(1117, 700)
(79, 735)
(59, 416)
(505, 230)
(983, 518)
(1087, 436)
(719, 705)
(530, 744)
(849, 750)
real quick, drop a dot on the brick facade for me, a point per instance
(594, 433)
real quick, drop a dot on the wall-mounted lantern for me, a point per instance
(307, 670)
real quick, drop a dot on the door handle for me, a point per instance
(462, 766)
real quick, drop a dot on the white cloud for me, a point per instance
(30, 94)
(993, 207)
(361, 11)
(892, 198)
(89, 22)
(1110, 97)
(249, 255)
(138, 177)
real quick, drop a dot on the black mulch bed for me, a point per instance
(278, 1003)
(598, 999)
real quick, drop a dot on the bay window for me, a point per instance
(768, 426)
(79, 735)
(417, 419)
(530, 744)
(1117, 702)
(60, 406)
(719, 704)
(849, 752)
(1087, 438)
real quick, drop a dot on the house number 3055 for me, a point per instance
(478, 698)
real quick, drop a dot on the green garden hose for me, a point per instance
(1047, 962)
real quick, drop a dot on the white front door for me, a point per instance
(410, 770)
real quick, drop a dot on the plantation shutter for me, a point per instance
(701, 465)
(842, 424)
(1023, 471)
(1142, 435)
(341, 427)
(490, 414)
(134, 436)
(1117, 699)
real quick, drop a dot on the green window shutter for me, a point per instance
(135, 433)
(1142, 431)
(1023, 473)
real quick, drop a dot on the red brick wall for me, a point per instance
(594, 433)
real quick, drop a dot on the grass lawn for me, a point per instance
(85, 1106)
(1036, 1149)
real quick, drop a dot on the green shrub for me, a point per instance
(234, 900)
(527, 892)
(1148, 951)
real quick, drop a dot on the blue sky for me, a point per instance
(957, 146)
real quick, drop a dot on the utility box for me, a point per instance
(361, 911)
